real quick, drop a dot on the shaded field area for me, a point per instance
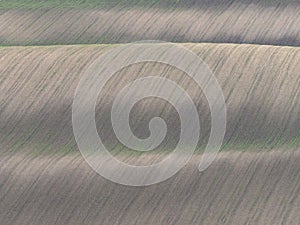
(9, 4)
(238, 188)
(48, 45)
(260, 85)
(45, 180)
(276, 24)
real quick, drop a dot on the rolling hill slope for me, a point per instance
(260, 85)
(236, 23)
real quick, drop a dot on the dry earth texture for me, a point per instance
(238, 188)
(260, 85)
(9, 4)
(261, 88)
(271, 24)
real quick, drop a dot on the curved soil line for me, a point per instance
(236, 23)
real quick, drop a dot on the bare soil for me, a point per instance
(238, 188)
(260, 85)
(236, 23)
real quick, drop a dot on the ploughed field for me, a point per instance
(252, 48)
(260, 86)
(238, 188)
(44, 179)
(236, 23)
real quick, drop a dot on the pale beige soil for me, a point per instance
(41, 182)
(236, 23)
(238, 188)
(260, 85)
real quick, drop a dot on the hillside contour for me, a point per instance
(44, 179)
(237, 23)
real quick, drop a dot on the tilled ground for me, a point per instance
(238, 188)
(236, 23)
(44, 180)
(260, 86)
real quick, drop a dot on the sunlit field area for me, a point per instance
(252, 48)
